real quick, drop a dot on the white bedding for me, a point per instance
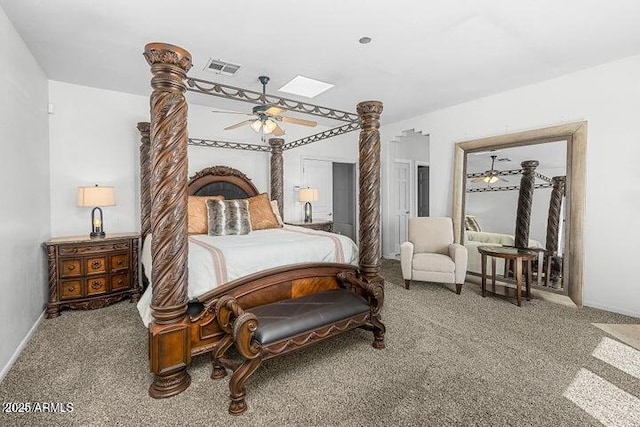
(215, 260)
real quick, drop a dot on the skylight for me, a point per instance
(305, 86)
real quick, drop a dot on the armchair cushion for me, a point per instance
(431, 234)
(433, 262)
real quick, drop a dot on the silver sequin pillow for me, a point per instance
(228, 217)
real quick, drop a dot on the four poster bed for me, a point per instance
(181, 325)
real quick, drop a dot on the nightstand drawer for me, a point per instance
(96, 265)
(70, 289)
(119, 281)
(119, 262)
(70, 268)
(96, 285)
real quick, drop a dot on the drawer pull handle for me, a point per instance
(71, 267)
(96, 265)
(71, 288)
(120, 282)
(96, 285)
(119, 262)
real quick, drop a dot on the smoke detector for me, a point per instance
(222, 67)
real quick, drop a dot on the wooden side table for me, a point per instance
(315, 225)
(508, 254)
(87, 273)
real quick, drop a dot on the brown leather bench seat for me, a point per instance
(288, 318)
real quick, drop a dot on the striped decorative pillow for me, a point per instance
(228, 217)
(471, 223)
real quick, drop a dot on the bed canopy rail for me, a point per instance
(173, 335)
(239, 94)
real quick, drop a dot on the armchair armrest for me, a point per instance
(458, 254)
(406, 257)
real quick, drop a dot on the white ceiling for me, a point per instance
(424, 55)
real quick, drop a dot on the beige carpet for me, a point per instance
(629, 334)
(450, 360)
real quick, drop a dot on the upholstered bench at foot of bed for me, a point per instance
(274, 329)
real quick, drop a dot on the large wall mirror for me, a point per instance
(486, 189)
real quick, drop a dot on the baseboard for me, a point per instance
(611, 309)
(23, 343)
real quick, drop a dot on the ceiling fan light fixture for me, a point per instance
(269, 126)
(490, 179)
(257, 125)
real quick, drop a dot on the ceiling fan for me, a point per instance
(265, 118)
(492, 175)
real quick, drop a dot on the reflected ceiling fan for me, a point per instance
(492, 175)
(265, 118)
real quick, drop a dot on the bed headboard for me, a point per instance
(221, 180)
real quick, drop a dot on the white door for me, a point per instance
(400, 202)
(319, 174)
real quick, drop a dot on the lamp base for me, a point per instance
(307, 212)
(97, 234)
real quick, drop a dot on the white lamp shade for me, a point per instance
(257, 125)
(269, 126)
(96, 196)
(308, 194)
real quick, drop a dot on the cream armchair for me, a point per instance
(430, 254)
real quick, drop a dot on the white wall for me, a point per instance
(24, 172)
(94, 140)
(608, 97)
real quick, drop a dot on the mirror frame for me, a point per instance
(575, 134)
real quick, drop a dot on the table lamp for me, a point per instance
(96, 196)
(308, 195)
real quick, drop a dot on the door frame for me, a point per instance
(356, 184)
(576, 136)
(412, 192)
(415, 186)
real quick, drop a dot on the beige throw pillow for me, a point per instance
(261, 214)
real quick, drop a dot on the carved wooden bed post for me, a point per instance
(369, 184)
(277, 173)
(145, 177)
(525, 200)
(553, 228)
(170, 351)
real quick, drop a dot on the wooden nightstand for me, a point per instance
(87, 273)
(315, 225)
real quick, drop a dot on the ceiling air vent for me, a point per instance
(222, 67)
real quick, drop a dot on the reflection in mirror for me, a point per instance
(503, 206)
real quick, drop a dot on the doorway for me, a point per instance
(337, 201)
(423, 189)
(344, 196)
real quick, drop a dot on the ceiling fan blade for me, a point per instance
(504, 179)
(277, 131)
(478, 179)
(273, 111)
(237, 125)
(231, 112)
(295, 121)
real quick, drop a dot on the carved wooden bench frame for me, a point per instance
(240, 327)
